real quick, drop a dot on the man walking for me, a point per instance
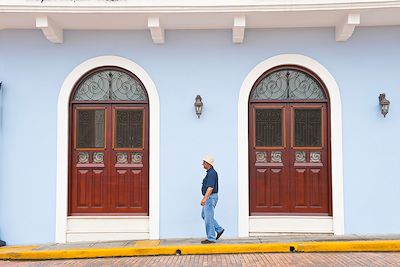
(209, 201)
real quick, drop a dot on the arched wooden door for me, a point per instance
(289, 144)
(109, 145)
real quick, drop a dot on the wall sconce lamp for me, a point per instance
(198, 105)
(384, 103)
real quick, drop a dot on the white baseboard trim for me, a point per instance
(267, 225)
(107, 228)
(99, 237)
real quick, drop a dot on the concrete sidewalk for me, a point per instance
(295, 243)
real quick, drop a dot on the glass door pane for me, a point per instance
(90, 127)
(268, 128)
(128, 128)
(307, 127)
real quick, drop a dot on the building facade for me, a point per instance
(100, 139)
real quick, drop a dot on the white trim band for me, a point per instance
(266, 225)
(100, 228)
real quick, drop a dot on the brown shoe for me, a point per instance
(207, 241)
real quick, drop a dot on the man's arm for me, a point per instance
(208, 193)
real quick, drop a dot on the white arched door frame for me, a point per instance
(336, 137)
(63, 135)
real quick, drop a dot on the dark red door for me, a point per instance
(289, 158)
(109, 159)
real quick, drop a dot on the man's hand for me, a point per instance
(208, 193)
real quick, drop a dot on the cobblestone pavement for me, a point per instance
(261, 259)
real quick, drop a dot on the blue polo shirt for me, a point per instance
(211, 180)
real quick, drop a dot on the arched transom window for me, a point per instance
(110, 84)
(288, 84)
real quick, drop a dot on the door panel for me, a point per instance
(83, 188)
(137, 196)
(289, 159)
(276, 186)
(261, 183)
(129, 180)
(122, 186)
(309, 155)
(268, 191)
(300, 188)
(316, 185)
(88, 171)
(109, 160)
(98, 188)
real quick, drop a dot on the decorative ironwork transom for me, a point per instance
(288, 84)
(110, 85)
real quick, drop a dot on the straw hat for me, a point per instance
(209, 159)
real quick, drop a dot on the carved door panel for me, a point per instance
(269, 161)
(109, 166)
(309, 159)
(129, 183)
(288, 159)
(90, 173)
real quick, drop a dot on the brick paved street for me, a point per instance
(271, 259)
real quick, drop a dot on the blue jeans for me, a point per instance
(207, 213)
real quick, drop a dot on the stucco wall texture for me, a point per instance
(204, 62)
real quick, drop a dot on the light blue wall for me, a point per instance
(191, 63)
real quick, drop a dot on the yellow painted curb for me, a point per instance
(16, 248)
(29, 253)
(350, 246)
(235, 248)
(144, 251)
(147, 243)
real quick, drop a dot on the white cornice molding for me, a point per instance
(345, 30)
(159, 16)
(50, 29)
(239, 24)
(157, 32)
(191, 3)
(189, 6)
